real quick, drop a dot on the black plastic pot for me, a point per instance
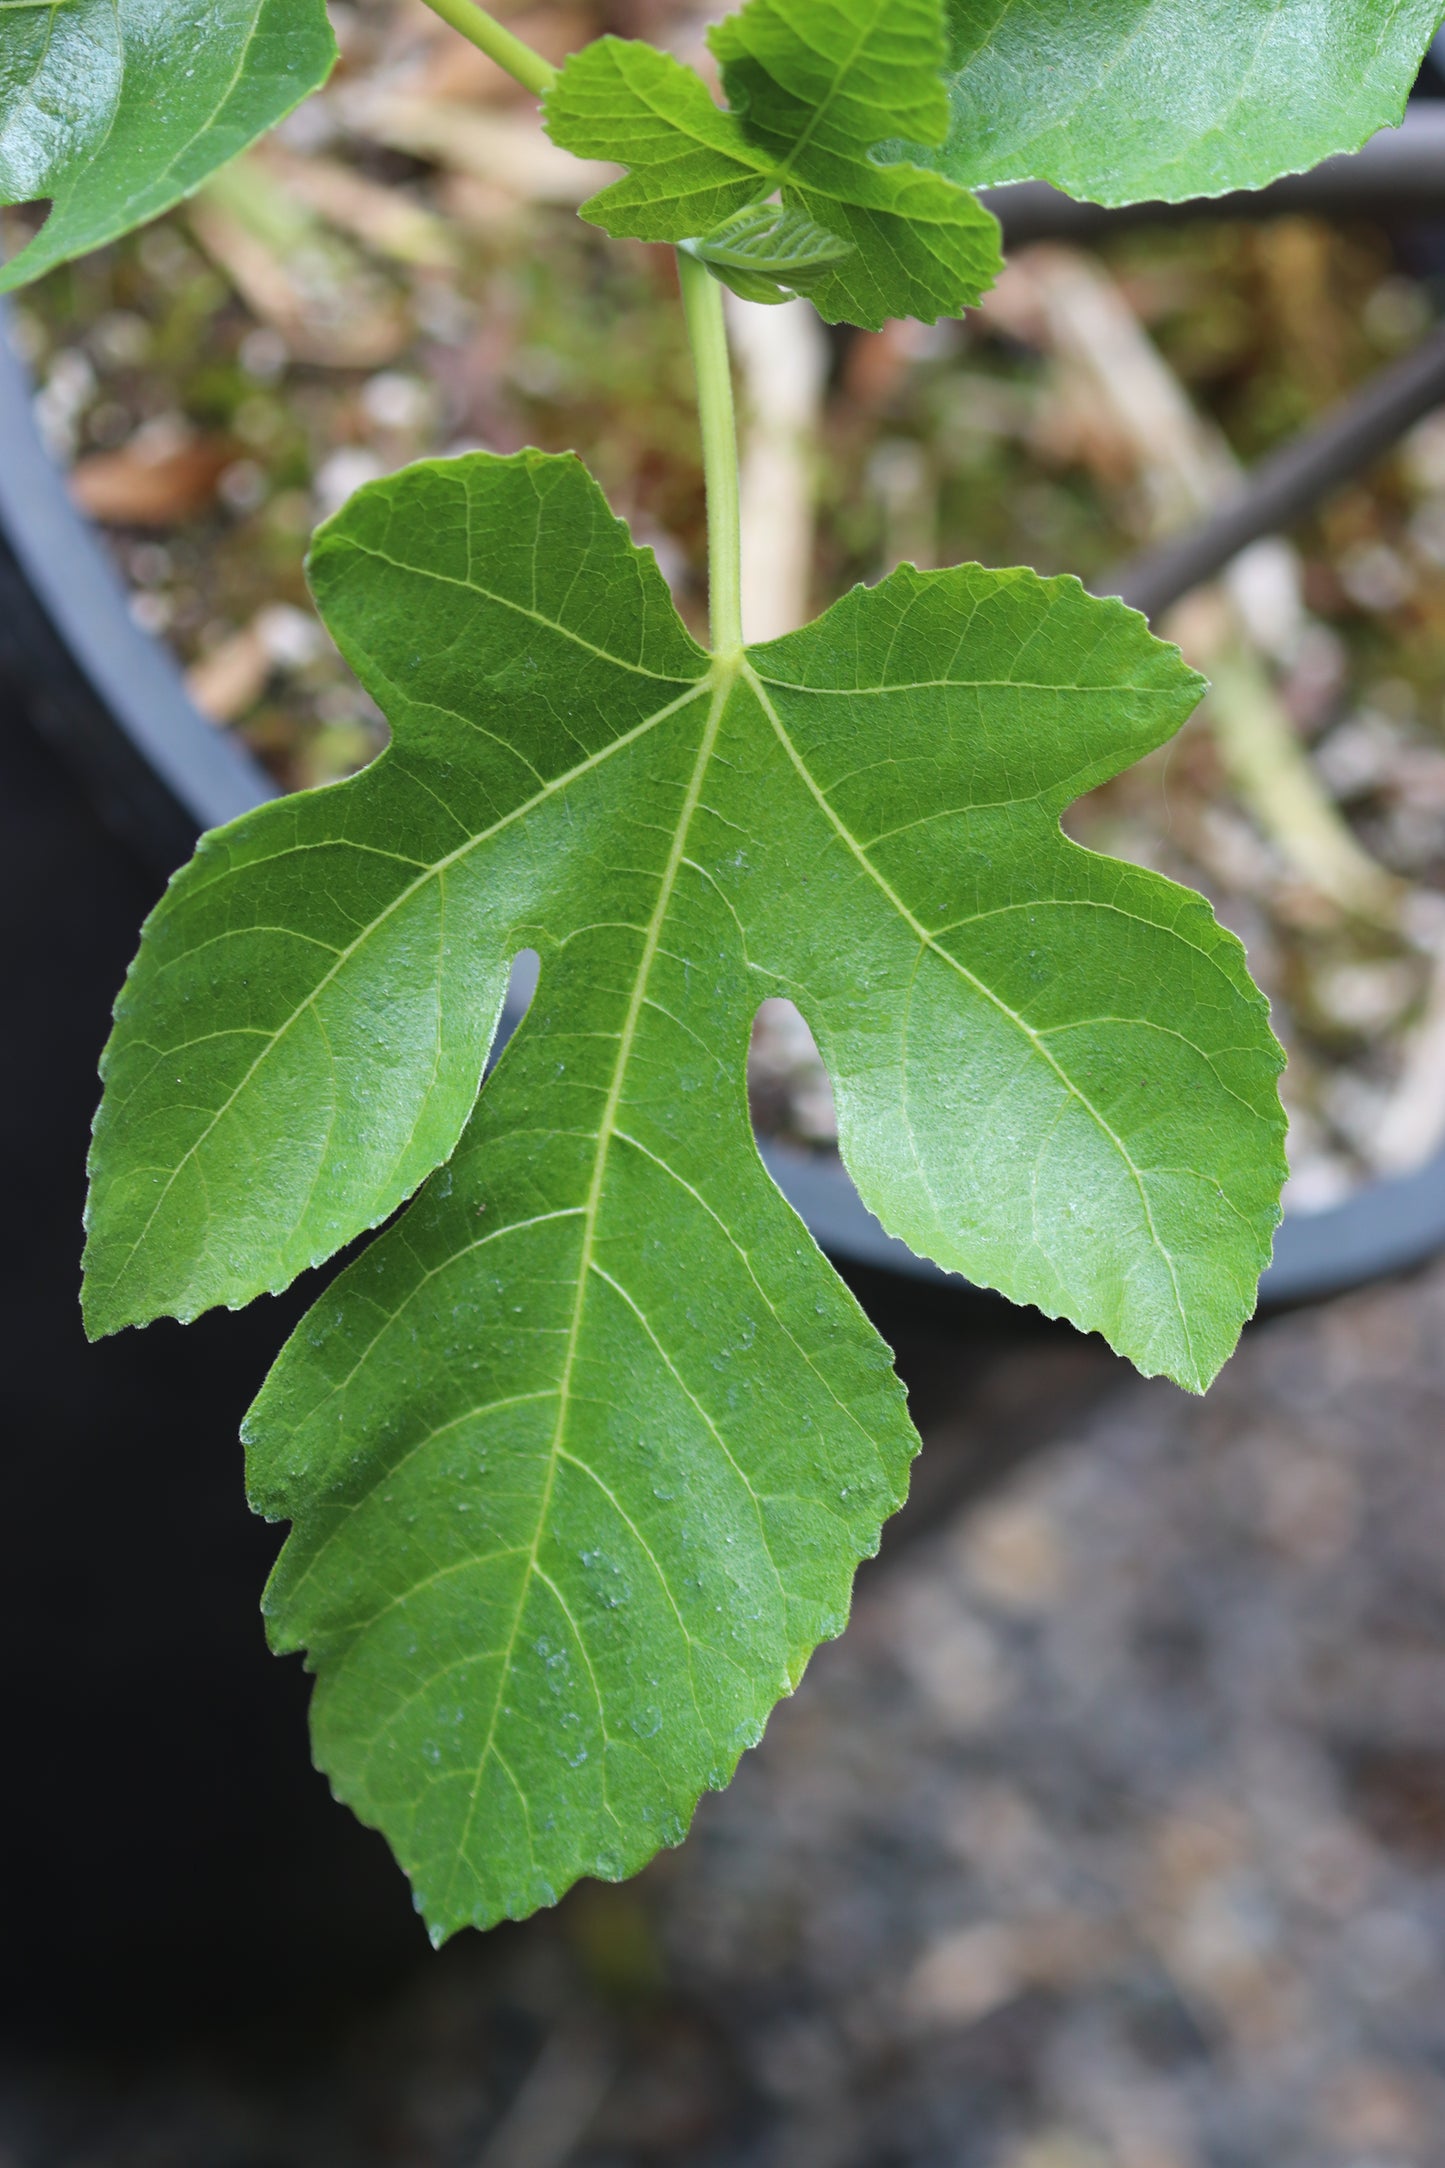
(167, 1849)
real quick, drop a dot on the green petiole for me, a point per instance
(498, 43)
(703, 304)
(702, 300)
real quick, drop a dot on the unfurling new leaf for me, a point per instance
(582, 1453)
(766, 254)
(814, 87)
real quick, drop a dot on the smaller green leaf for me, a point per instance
(690, 164)
(116, 109)
(818, 84)
(766, 254)
(836, 74)
(814, 85)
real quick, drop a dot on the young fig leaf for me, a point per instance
(582, 1453)
(116, 109)
(1133, 101)
(690, 166)
(814, 87)
(766, 254)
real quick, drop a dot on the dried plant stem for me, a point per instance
(1186, 469)
(1271, 772)
(783, 367)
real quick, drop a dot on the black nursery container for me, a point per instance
(168, 1851)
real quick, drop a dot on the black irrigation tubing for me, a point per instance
(1399, 172)
(1290, 482)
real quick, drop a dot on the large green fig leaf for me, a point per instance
(116, 109)
(814, 86)
(581, 1454)
(1131, 101)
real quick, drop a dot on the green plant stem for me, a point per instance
(702, 302)
(498, 43)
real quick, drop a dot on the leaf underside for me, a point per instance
(582, 1453)
(1134, 101)
(117, 109)
(813, 87)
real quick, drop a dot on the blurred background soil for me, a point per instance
(1113, 1834)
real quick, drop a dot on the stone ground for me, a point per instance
(1111, 1836)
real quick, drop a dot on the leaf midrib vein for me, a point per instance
(720, 683)
(789, 165)
(625, 1137)
(158, 182)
